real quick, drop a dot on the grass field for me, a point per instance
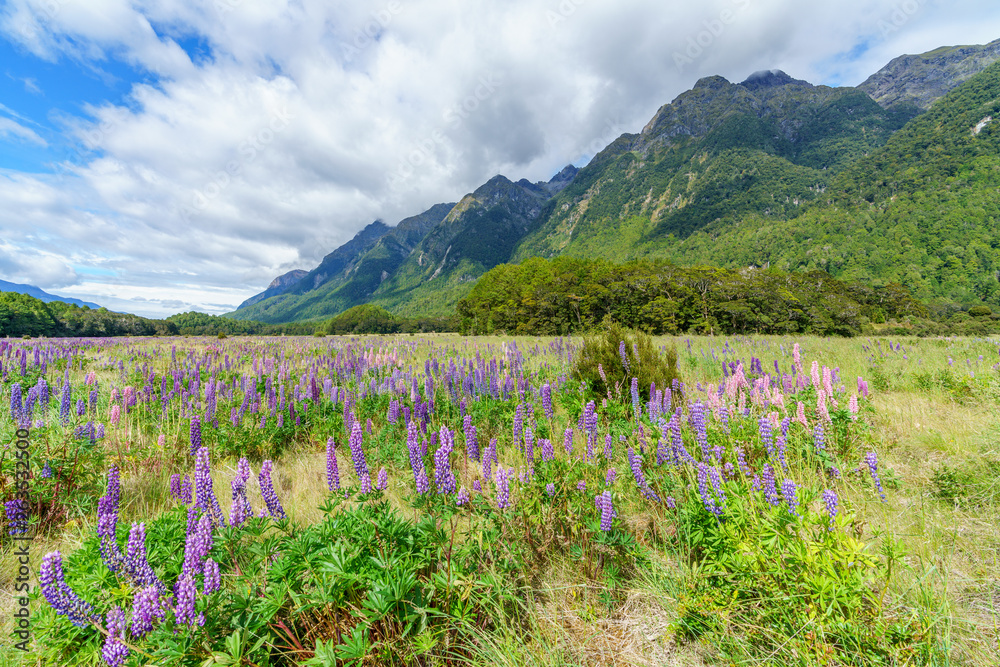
(712, 542)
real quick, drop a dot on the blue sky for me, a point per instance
(165, 156)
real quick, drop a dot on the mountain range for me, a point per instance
(893, 181)
(41, 295)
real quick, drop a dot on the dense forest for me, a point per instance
(567, 295)
(23, 315)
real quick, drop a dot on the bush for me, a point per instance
(602, 366)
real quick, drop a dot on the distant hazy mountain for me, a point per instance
(41, 295)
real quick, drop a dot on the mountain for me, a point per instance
(348, 275)
(718, 152)
(480, 232)
(920, 80)
(45, 297)
(279, 285)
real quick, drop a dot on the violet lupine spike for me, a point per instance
(548, 453)
(489, 459)
(17, 516)
(184, 607)
(789, 491)
(608, 513)
(115, 652)
(471, 438)
(382, 480)
(107, 522)
(819, 442)
(766, 435)
(635, 463)
(608, 449)
(462, 497)
(147, 607)
(770, 489)
(831, 501)
(274, 507)
(241, 510)
(547, 400)
(609, 478)
(136, 562)
(636, 402)
(696, 418)
(332, 471)
(720, 494)
(212, 580)
(706, 496)
(358, 457)
(198, 543)
(624, 357)
(871, 461)
(503, 487)
(64, 406)
(205, 498)
(417, 462)
(444, 478)
(60, 596)
(568, 441)
(195, 434)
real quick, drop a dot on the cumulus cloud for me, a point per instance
(262, 135)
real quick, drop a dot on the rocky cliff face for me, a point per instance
(922, 79)
(279, 285)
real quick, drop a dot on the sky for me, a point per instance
(163, 156)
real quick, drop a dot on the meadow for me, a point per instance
(448, 500)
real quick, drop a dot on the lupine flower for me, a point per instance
(241, 509)
(696, 418)
(609, 478)
(416, 461)
(213, 581)
(603, 502)
(462, 498)
(358, 456)
(550, 489)
(789, 493)
(267, 491)
(332, 473)
(547, 400)
(770, 490)
(205, 498)
(490, 458)
(706, 496)
(184, 608)
(831, 501)
(766, 434)
(62, 598)
(547, 452)
(852, 407)
(624, 357)
(742, 461)
(818, 440)
(146, 606)
(198, 542)
(503, 487)
(518, 422)
(568, 440)
(64, 406)
(382, 480)
(608, 449)
(81, 408)
(871, 460)
(107, 522)
(636, 402)
(116, 414)
(136, 562)
(195, 433)
(444, 478)
(115, 652)
(720, 494)
(581, 485)
(471, 438)
(640, 478)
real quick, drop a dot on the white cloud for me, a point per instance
(303, 121)
(11, 129)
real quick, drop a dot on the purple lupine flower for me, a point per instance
(635, 462)
(115, 652)
(568, 440)
(358, 456)
(382, 480)
(581, 485)
(696, 419)
(241, 510)
(603, 501)
(741, 461)
(332, 472)
(871, 460)
(831, 501)
(64, 405)
(198, 542)
(529, 446)
(547, 452)
(274, 507)
(503, 487)
(213, 581)
(518, 422)
(471, 438)
(184, 607)
(463, 497)
(608, 450)
(17, 516)
(490, 458)
(393, 416)
(46, 472)
(81, 407)
(609, 478)
(624, 357)
(17, 404)
(636, 401)
(444, 478)
(706, 496)
(789, 491)
(205, 498)
(195, 434)
(416, 461)
(770, 490)
(766, 434)
(107, 522)
(136, 562)
(819, 442)
(670, 502)
(550, 489)
(720, 494)
(175, 485)
(60, 596)
(547, 400)
(146, 606)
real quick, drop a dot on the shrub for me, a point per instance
(621, 354)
